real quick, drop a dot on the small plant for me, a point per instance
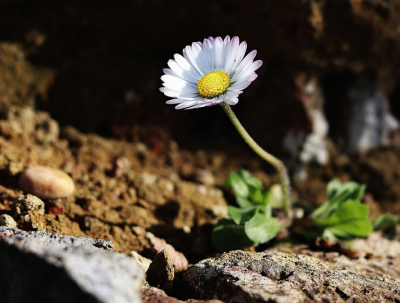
(216, 71)
(342, 215)
(386, 223)
(251, 223)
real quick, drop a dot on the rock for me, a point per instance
(121, 166)
(28, 211)
(46, 182)
(178, 259)
(161, 271)
(27, 203)
(155, 295)
(142, 261)
(204, 176)
(239, 276)
(8, 221)
(44, 267)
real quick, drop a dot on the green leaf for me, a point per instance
(385, 222)
(243, 202)
(241, 215)
(260, 229)
(349, 219)
(358, 228)
(227, 235)
(256, 196)
(239, 187)
(250, 180)
(338, 193)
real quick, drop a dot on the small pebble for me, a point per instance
(29, 203)
(46, 182)
(7, 220)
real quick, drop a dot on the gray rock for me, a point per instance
(45, 267)
(240, 276)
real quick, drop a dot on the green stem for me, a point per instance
(280, 167)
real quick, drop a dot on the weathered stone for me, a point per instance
(28, 211)
(240, 276)
(142, 261)
(46, 182)
(156, 295)
(161, 271)
(44, 267)
(27, 203)
(8, 221)
(177, 258)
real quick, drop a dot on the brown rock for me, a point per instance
(46, 182)
(157, 244)
(161, 271)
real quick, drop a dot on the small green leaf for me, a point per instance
(241, 215)
(333, 187)
(358, 228)
(257, 196)
(349, 219)
(267, 199)
(260, 229)
(385, 222)
(239, 187)
(227, 235)
(250, 180)
(243, 202)
(338, 193)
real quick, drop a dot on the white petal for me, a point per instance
(189, 75)
(231, 54)
(176, 94)
(245, 82)
(233, 93)
(232, 101)
(226, 40)
(168, 71)
(186, 66)
(239, 56)
(209, 53)
(192, 56)
(202, 59)
(178, 84)
(249, 69)
(176, 101)
(245, 63)
(188, 104)
(218, 53)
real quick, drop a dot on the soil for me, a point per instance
(125, 189)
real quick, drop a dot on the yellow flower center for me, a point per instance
(213, 84)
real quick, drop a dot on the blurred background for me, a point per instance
(327, 96)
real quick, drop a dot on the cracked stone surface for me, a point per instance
(239, 276)
(46, 267)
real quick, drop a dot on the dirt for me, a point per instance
(124, 190)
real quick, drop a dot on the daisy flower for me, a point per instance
(209, 73)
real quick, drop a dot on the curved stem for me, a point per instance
(278, 164)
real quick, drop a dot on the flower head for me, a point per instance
(209, 73)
